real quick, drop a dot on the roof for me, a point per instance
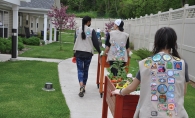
(43, 4)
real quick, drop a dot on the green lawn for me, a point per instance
(21, 91)
(189, 101)
(50, 51)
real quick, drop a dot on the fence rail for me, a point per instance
(143, 29)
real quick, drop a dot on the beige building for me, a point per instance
(32, 14)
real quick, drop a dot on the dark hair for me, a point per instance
(166, 38)
(120, 27)
(84, 22)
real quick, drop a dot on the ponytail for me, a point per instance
(83, 31)
(175, 53)
(84, 22)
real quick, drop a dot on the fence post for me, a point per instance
(171, 9)
(183, 27)
(145, 30)
(159, 12)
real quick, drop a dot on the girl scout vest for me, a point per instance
(118, 42)
(162, 87)
(84, 45)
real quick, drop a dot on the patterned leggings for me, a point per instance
(83, 68)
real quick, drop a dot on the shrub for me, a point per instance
(143, 53)
(2, 47)
(20, 39)
(32, 41)
(5, 45)
(131, 45)
(90, 14)
(20, 46)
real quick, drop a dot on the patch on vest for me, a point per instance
(156, 58)
(88, 33)
(154, 113)
(167, 57)
(176, 58)
(177, 65)
(118, 51)
(164, 72)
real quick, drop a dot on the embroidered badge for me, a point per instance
(176, 58)
(162, 98)
(156, 58)
(88, 33)
(177, 65)
(153, 90)
(176, 73)
(171, 88)
(153, 79)
(169, 65)
(170, 94)
(154, 98)
(161, 63)
(166, 57)
(162, 107)
(162, 76)
(153, 73)
(171, 106)
(161, 69)
(170, 80)
(154, 66)
(170, 100)
(148, 63)
(154, 113)
(161, 80)
(162, 88)
(153, 84)
(170, 73)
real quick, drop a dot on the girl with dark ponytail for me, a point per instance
(85, 20)
(157, 75)
(85, 40)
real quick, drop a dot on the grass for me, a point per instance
(49, 51)
(21, 91)
(133, 66)
(189, 101)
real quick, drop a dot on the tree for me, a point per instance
(61, 19)
(109, 25)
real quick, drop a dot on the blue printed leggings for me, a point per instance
(83, 68)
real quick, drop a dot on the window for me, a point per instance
(37, 25)
(31, 25)
(4, 23)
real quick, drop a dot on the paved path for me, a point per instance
(90, 106)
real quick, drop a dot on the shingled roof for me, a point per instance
(44, 4)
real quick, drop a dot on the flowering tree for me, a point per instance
(61, 19)
(109, 25)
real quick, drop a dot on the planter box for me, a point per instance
(100, 72)
(120, 106)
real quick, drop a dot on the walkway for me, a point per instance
(90, 106)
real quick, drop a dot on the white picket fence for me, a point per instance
(143, 29)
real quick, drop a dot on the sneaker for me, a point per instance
(81, 93)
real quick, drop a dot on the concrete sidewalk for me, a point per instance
(7, 57)
(90, 106)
